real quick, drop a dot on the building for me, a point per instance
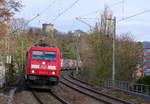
(48, 29)
(146, 58)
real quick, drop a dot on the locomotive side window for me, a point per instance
(43, 55)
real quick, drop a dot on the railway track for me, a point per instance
(58, 98)
(96, 90)
(89, 95)
(49, 92)
(37, 97)
(93, 93)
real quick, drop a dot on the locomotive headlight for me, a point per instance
(35, 66)
(52, 67)
(33, 71)
(53, 73)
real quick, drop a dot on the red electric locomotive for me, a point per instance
(42, 65)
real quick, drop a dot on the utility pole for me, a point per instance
(114, 46)
(77, 52)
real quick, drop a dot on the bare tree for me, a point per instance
(105, 25)
(17, 25)
(7, 9)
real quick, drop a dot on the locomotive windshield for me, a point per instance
(43, 55)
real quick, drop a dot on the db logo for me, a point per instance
(43, 67)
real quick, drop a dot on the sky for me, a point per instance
(138, 26)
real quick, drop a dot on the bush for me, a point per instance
(145, 80)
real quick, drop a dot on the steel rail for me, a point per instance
(49, 92)
(84, 82)
(58, 98)
(36, 96)
(80, 91)
(98, 92)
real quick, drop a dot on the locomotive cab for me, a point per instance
(42, 65)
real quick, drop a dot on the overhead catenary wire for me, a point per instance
(37, 15)
(123, 8)
(93, 12)
(64, 11)
(126, 18)
(135, 15)
(79, 19)
(59, 9)
(97, 11)
(43, 11)
(73, 24)
(85, 22)
(50, 5)
(88, 18)
(117, 3)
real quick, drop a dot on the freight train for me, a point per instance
(69, 64)
(42, 66)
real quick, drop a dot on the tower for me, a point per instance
(48, 29)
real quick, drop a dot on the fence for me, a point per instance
(140, 90)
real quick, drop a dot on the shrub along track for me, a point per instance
(84, 88)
